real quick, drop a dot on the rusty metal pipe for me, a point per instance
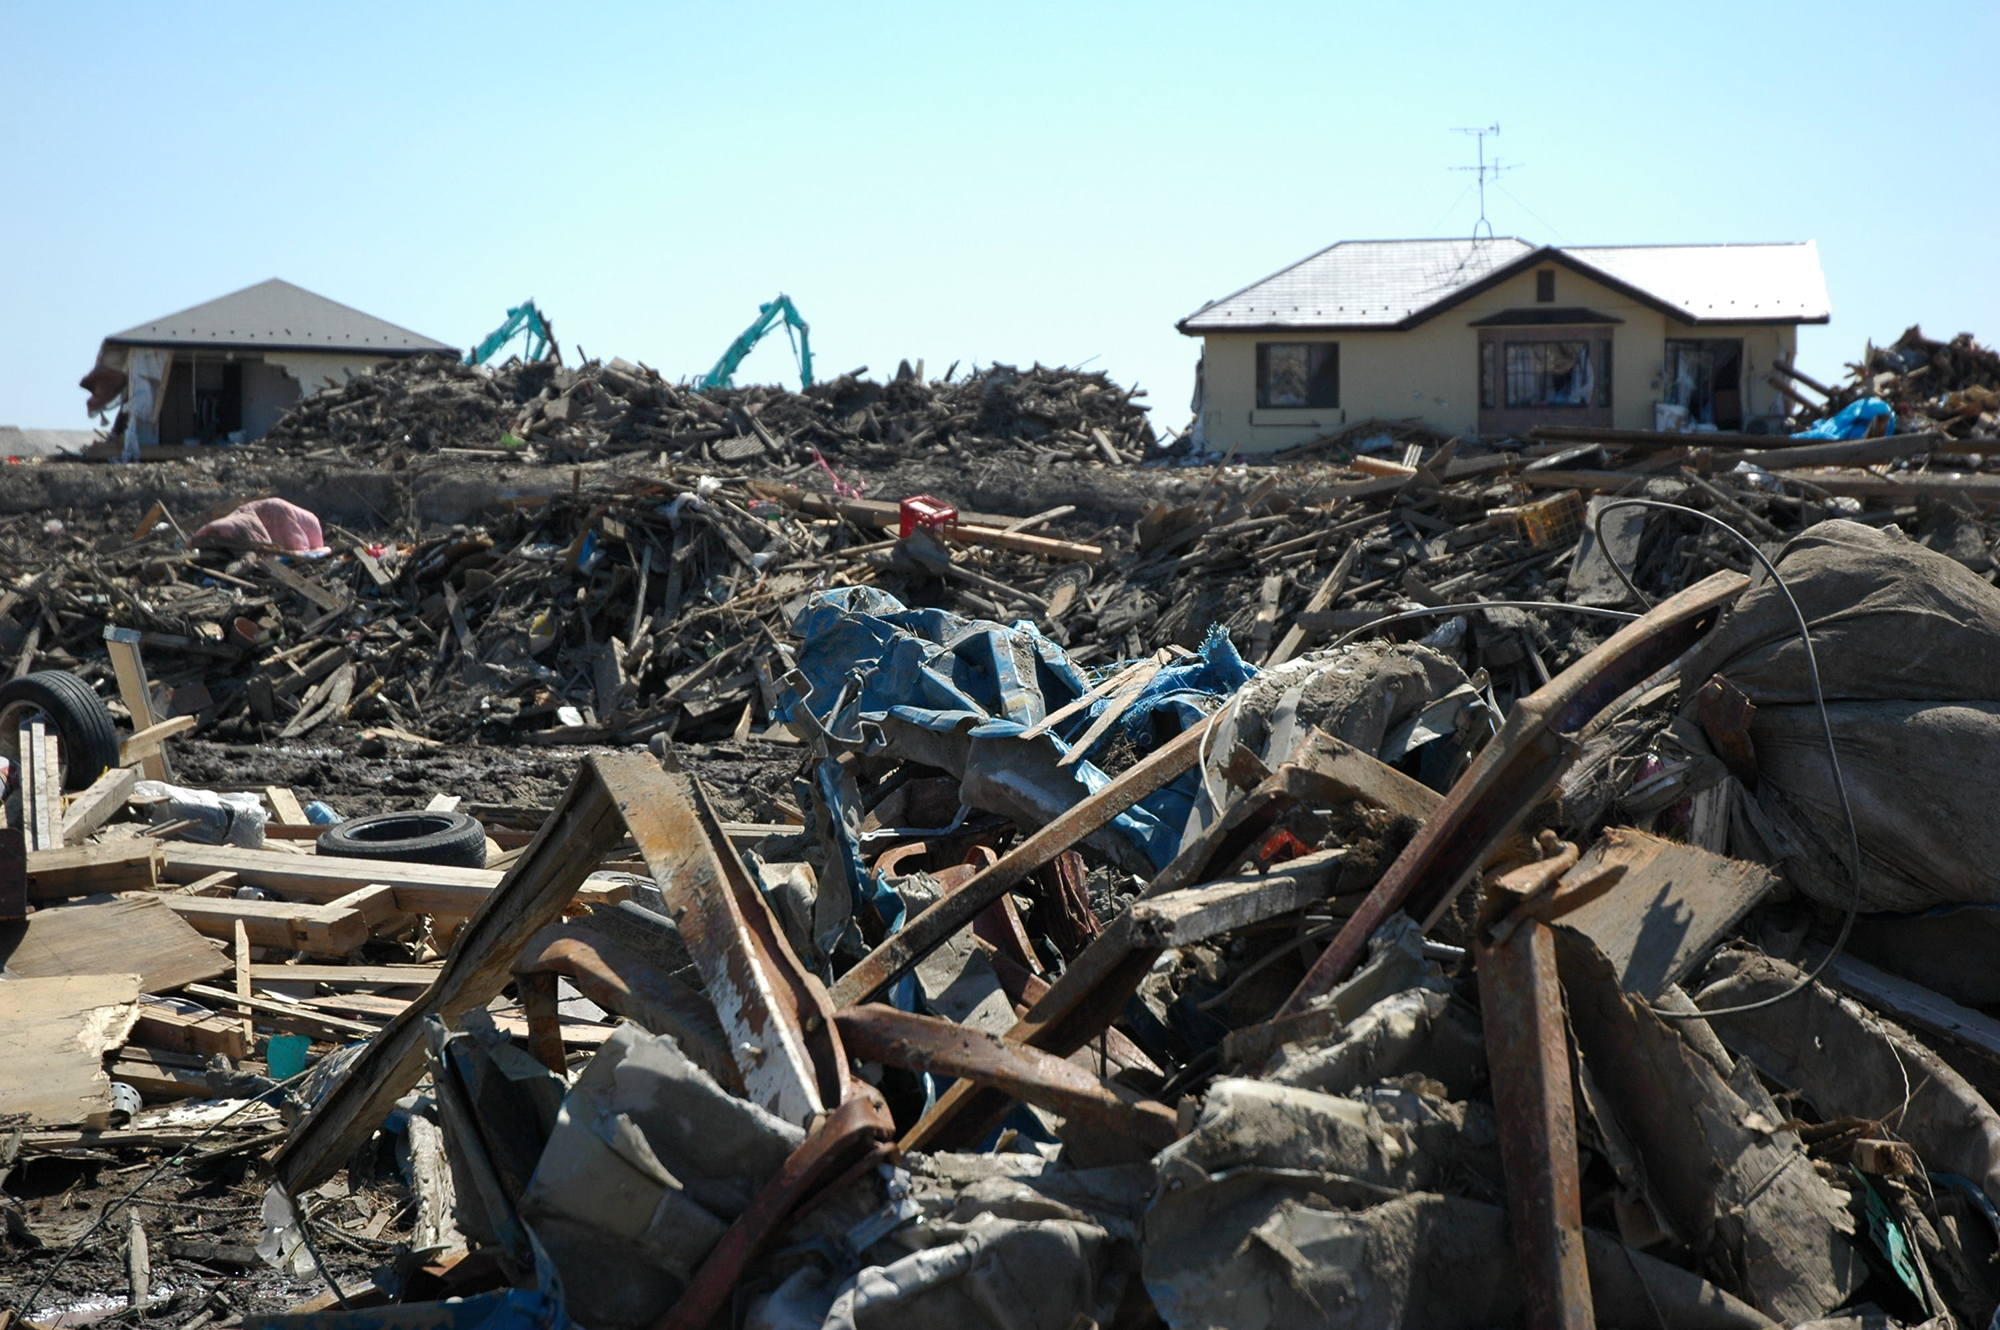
(882, 1034)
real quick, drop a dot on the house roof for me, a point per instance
(1393, 284)
(276, 315)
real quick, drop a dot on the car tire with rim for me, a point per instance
(84, 729)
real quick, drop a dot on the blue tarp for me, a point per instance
(867, 657)
(1853, 421)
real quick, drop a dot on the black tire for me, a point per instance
(451, 840)
(88, 738)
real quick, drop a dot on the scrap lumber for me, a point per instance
(98, 804)
(83, 870)
(532, 895)
(163, 1027)
(321, 930)
(418, 888)
(53, 1042)
(136, 932)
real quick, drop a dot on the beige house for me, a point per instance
(229, 368)
(1490, 337)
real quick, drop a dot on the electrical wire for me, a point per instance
(125, 1200)
(1826, 730)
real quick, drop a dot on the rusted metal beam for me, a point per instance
(876, 1033)
(900, 952)
(774, 1013)
(1527, 1050)
(1515, 772)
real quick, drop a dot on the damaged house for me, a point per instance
(227, 370)
(1494, 336)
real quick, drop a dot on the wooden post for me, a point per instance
(123, 646)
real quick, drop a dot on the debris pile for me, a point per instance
(1450, 891)
(546, 411)
(1949, 388)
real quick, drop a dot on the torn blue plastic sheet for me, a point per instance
(867, 658)
(1853, 422)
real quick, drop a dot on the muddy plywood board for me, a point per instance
(111, 934)
(53, 1042)
(1672, 904)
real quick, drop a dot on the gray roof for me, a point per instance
(276, 315)
(1364, 284)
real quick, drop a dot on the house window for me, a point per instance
(1298, 374)
(1566, 373)
(1545, 286)
(1489, 392)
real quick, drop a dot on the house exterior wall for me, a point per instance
(313, 369)
(267, 393)
(1431, 372)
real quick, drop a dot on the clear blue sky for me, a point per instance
(974, 182)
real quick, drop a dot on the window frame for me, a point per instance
(1497, 380)
(1322, 371)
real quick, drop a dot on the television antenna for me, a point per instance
(1484, 169)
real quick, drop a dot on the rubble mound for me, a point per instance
(550, 412)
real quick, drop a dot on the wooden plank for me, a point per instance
(53, 1042)
(346, 976)
(151, 741)
(136, 933)
(1672, 903)
(1322, 598)
(303, 586)
(285, 809)
(337, 1027)
(122, 645)
(41, 800)
(242, 957)
(97, 805)
(323, 930)
(84, 870)
(1176, 918)
(162, 1027)
(419, 888)
(160, 1076)
(366, 1007)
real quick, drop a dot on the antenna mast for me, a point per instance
(1484, 169)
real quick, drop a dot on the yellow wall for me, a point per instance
(1431, 372)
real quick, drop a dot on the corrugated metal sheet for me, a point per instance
(276, 314)
(1387, 283)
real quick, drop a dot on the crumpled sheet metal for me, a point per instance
(1905, 638)
(649, 1163)
(1850, 1062)
(867, 659)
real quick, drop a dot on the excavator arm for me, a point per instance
(523, 318)
(768, 316)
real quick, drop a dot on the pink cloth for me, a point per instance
(265, 524)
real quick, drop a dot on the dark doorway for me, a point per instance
(203, 400)
(1705, 375)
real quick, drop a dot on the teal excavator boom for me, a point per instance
(524, 318)
(768, 315)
